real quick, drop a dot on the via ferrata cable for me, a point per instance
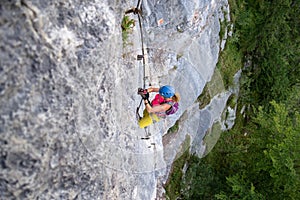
(138, 11)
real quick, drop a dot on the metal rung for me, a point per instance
(140, 57)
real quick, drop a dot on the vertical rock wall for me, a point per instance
(56, 61)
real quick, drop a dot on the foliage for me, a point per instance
(268, 165)
(200, 180)
(269, 37)
(204, 98)
(211, 137)
(223, 25)
(232, 99)
(174, 128)
(231, 58)
(280, 150)
(259, 157)
(127, 25)
(264, 164)
(230, 61)
(173, 185)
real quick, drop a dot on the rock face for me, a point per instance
(68, 95)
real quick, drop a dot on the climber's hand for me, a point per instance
(145, 96)
(140, 90)
(144, 93)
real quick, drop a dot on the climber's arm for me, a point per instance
(153, 90)
(158, 108)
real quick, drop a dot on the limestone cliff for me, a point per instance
(68, 95)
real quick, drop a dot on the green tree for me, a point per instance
(271, 164)
(259, 157)
(270, 39)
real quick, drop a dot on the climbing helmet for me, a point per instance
(167, 91)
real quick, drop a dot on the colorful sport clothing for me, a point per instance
(147, 119)
(158, 100)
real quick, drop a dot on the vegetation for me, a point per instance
(127, 25)
(259, 158)
(174, 184)
(174, 128)
(224, 25)
(204, 98)
(230, 61)
(211, 137)
(232, 100)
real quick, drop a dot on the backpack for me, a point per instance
(158, 100)
(173, 109)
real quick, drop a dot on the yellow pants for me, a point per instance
(147, 119)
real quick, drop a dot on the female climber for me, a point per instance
(165, 103)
